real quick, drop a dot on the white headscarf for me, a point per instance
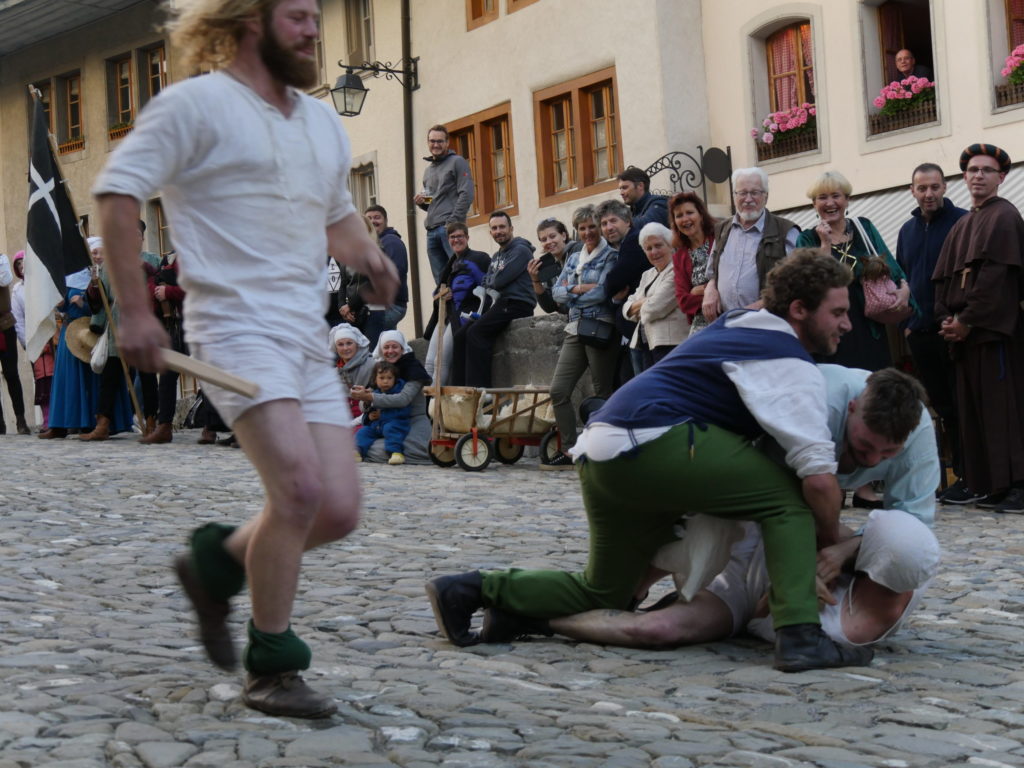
(94, 242)
(346, 331)
(390, 336)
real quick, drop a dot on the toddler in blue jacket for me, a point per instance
(390, 423)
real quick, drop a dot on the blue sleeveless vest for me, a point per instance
(689, 382)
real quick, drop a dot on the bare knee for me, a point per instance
(297, 495)
(339, 514)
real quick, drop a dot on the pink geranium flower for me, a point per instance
(903, 94)
(800, 118)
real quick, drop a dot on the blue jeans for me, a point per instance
(380, 320)
(439, 250)
(393, 316)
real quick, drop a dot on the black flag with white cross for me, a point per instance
(55, 247)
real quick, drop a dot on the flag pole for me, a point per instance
(103, 293)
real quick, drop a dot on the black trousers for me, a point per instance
(160, 395)
(938, 375)
(9, 364)
(150, 388)
(473, 343)
(111, 380)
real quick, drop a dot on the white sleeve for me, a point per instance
(18, 308)
(167, 137)
(788, 399)
(340, 204)
(6, 275)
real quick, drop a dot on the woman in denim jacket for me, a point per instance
(580, 289)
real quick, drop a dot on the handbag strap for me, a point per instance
(864, 235)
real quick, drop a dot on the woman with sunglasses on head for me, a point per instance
(556, 246)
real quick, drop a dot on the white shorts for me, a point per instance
(744, 580)
(283, 372)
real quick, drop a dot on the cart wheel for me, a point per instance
(442, 455)
(506, 451)
(469, 461)
(550, 446)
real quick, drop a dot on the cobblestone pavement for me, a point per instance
(99, 665)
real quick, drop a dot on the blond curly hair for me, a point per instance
(206, 32)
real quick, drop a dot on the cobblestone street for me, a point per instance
(100, 667)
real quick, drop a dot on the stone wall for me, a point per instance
(526, 353)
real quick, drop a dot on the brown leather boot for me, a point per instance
(53, 433)
(209, 437)
(101, 432)
(162, 433)
(149, 426)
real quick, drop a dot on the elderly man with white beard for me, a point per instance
(747, 246)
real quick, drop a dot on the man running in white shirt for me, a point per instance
(253, 176)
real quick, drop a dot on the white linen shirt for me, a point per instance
(249, 194)
(785, 395)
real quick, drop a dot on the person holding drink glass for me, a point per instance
(446, 196)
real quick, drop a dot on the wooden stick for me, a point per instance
(439, 328)
(211, 373)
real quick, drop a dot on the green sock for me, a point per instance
(270, 654)
(222, 576)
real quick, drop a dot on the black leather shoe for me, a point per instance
(286, 695)
(212, 614)
(504, 627)
(455, 600)
(800, 647)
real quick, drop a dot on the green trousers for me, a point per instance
(634, 500)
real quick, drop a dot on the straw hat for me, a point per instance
(80, 339)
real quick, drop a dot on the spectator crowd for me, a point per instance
(633, 277)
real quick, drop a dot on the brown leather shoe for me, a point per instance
(209, 437)
(101, 432)
(212, 615)
(286, 695)
(53, 433)
(149, 426)
(162, 433)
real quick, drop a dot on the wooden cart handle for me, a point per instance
(211, 373)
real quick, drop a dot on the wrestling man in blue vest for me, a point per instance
(679, 440)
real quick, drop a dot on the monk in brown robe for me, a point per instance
(979, 285)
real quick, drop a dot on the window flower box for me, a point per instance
(903, 104)
(787, 132)
(74, 145)
(120, 130)
(787, 144)
(918, 114)
(1013, 91)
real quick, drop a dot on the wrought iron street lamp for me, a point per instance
(349, 93)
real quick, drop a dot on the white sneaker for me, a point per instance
(396, 458)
